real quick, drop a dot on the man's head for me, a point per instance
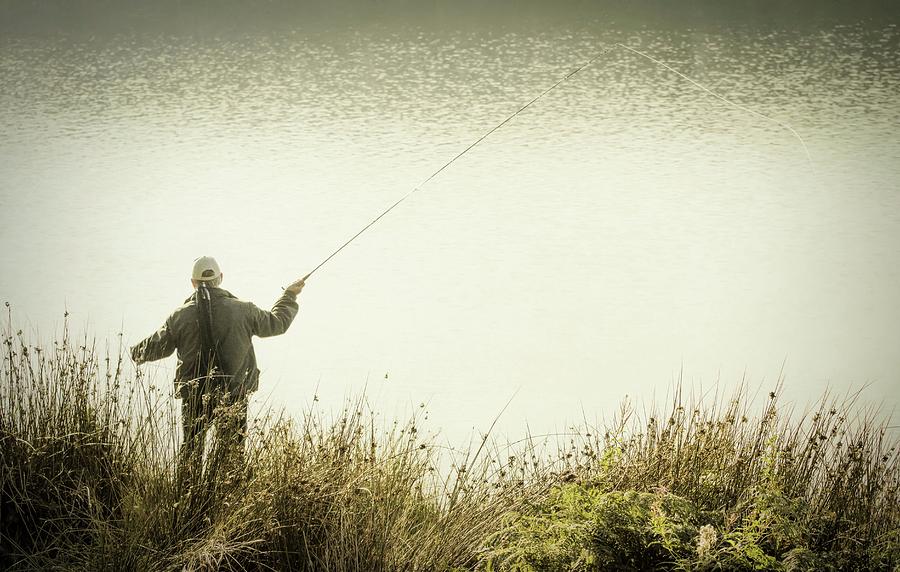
(206, 270)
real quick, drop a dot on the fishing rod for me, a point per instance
(460, 154)
(529, 104)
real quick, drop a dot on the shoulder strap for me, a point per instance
(210, 357)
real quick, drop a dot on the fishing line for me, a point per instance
(538, 97)
(723, 98)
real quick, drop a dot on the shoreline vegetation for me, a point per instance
(87, 483)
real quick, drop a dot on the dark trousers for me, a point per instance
(201, 409)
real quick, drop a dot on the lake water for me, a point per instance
(625, 229)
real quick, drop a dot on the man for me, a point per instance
(212, 334)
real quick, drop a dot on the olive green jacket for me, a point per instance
(234, 323)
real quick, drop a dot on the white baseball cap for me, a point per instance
(206, 268)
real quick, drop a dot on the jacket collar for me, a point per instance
(213, 292)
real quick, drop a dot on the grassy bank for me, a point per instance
(87, 481)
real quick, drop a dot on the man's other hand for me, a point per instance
(136, 355)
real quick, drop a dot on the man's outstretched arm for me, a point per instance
(158, 346)
(279, 318)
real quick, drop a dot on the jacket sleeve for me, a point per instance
(158, 346)
(277, 320)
